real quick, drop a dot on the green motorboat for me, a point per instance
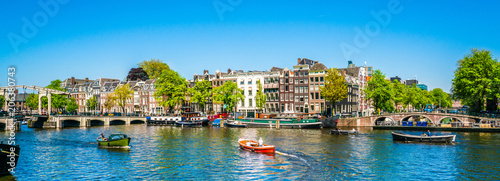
(119, 140)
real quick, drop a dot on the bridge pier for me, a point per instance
(10, 124)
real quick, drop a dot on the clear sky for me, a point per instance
(106, 38)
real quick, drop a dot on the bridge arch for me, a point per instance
(450, 120)
(386, 121)
(117, 122)
(71, 123)
(137, 122)
(96, 122)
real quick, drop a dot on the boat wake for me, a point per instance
(293, 156)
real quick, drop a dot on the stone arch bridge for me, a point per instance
(85, 121)
(435, 118)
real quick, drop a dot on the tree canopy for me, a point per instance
(91, 103)
(136, 74)
(32, 101)
(201, 93)
(229, 94)
(477, 79)
(71, 106)
(260, 97)
(154, 67)
(335, 88)
(379, 92)
(171, 89)
(122, 93)
(439, 97)
(2, 101)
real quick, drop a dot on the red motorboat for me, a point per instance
(253, 146)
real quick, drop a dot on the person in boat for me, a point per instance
(102, 136)
(261, 142)
(423, 134)
(428, 132)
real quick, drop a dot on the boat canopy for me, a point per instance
(117, 136)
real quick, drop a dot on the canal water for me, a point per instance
(169, 153)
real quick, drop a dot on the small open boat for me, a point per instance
(398, 136)
(118, 140)
(236, 124)
(343, 132)
(253, 146)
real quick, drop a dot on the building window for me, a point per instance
(321, 79)
(316, 79)
(296, 98)
(250, 92)
(291, 96)
(306, 88)
(286, 88)
(312, 96)
(242, 82)
(312, 79)
(250, 102)
(301, 89)
(250, 82)
(317, 95)
(291, 80)
(286, 81)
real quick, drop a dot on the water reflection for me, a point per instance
(166, 153)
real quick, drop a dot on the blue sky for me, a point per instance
(106, 38)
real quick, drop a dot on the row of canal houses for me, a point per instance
(295, 90)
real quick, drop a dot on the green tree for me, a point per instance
(260, 97)
(441, 98)
(201, 93)
(110, 102)
(398, 92)
(335, 88)
(411, 96)
(154, 67)
(32, 101)
(2, 101)
(171, 89)
(58, 101)
(91, 103)
(228, 94)
(379, 92)
(71, 106)
(476, 79)
(122, 93)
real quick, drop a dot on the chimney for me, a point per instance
(228, 71)
(205, 72)
(16, 91)
(73, 81)
(298, 61)
(86, 79)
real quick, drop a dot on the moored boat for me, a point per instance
(283, 123)
(9, 154)
(118, 140)
(343, 132)
(398, 136)
(236, 124)
(216, 122)
(253, 146)
(189, 123)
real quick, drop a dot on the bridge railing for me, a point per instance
(461, 113)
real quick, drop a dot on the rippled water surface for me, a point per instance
(165, 153)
